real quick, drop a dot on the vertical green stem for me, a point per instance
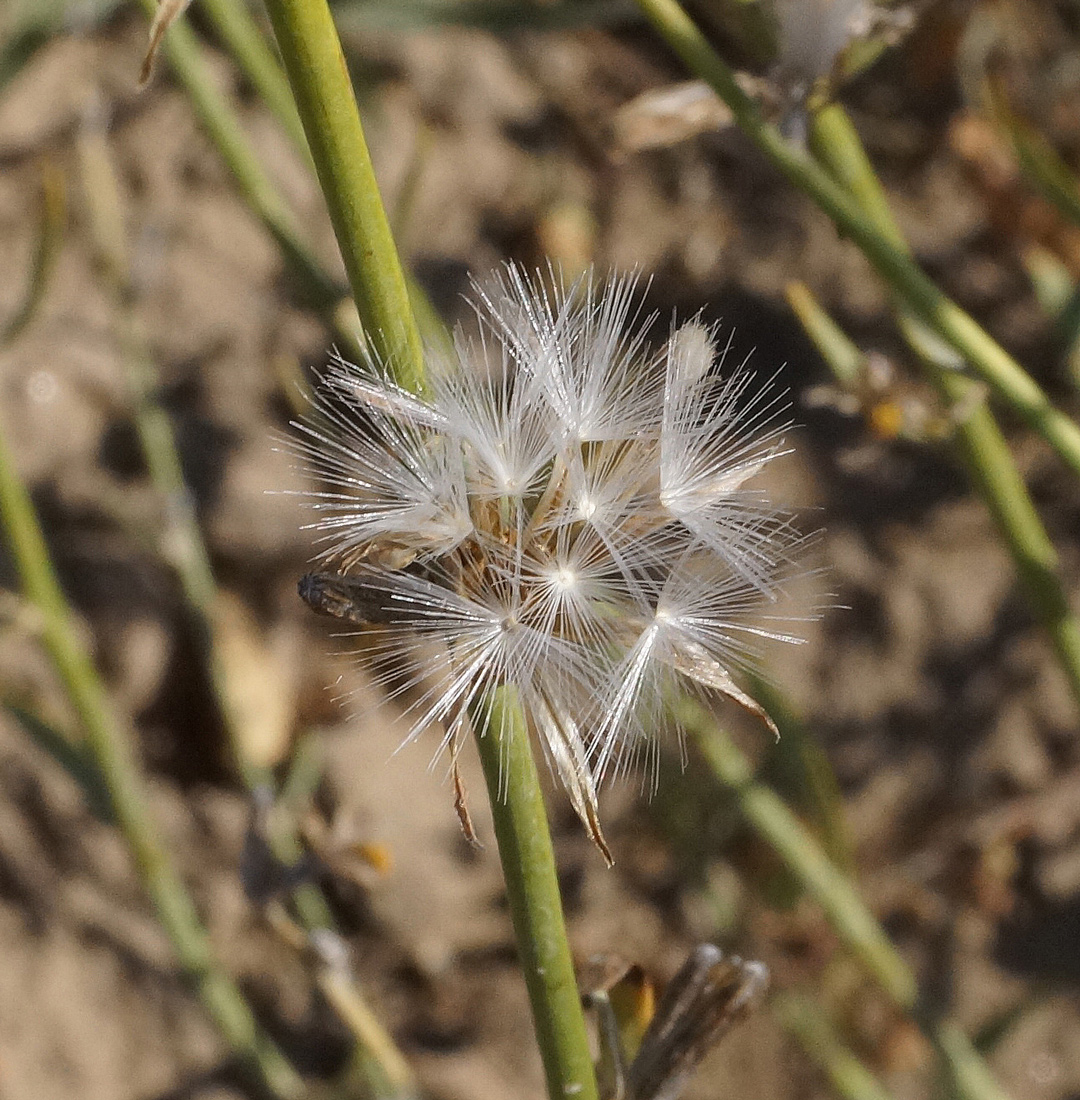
(311, 51)
(532, 888)
(110, 748)
(313, 58)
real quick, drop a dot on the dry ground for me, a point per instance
(937, 701)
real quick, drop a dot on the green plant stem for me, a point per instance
(110, 747)
(806, 1020)
(234, 23)
(309, 45)
(317, 287)
(979, 438)
(376, 1061)
(831, 888)
(834, 892)
(1042, 165)
(310, 48)
(532, 888)
(46, 250)
(994, 472)
(842, 356)
(180, 539)
(987, 359)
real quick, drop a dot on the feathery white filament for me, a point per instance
(563, 511)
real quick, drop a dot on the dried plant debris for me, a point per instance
(650, 1052)
(167, 14)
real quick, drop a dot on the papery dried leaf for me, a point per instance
(665, 116)
(167, 14)
(566, 751)
(621, 997)
(693, 662)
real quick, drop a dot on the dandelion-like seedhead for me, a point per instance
(563, 511)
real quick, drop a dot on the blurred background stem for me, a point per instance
(986, 454)
(51, 225)
(110, 746)
(376, 1061)
(181, 47)
(807, 1021)
(986, 358)
(968, 1074)
(241, 34)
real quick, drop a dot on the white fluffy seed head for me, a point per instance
(564, 511)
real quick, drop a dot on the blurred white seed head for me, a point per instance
(563, 511)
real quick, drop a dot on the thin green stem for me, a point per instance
(222, 124)
(853, 922)
(532, 888)
(835, 893)
(181, 540)
(109, 745)
(310, 48)
(980, 440)
(806, 1020)
(987, 358)
(992, 468)
(46, 250)
(842, 356)
(376, 1060)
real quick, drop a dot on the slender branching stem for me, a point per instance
(109, 746)
(982, 445)
(987, 359)
(837, 145)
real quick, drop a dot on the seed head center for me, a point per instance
(565, 577)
